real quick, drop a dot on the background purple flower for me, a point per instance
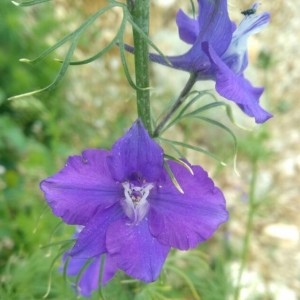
(219, 53)
(130, 209)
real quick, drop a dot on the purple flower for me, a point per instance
(219, 53)
(88, 270)
(129, 208)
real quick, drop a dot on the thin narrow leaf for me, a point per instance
(65, 64)
(172, 176)
(198, 149)
(180, 161)
(230, 116)
(69, 36)
(100, 290)
(187, 280)
(48, 50)
(217, 123)
(194, 99)
(193, 8)
(37, 224)
(191, 102)
(157, 295)
(195, 257)
(180, 154)
(111, 44)
(230, 132)
(66, 264)
(203, 108)
(59, 76)
(125, 65)
(83, 268)
(146, 37)
(191, 114)
(50, 273)
(181, 115)
(52, 235)
(100, 53)
(29, 3)
(63, 242)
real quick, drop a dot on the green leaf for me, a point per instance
(202, 109)
(74, 37)
(193, 9)
(52, 266)
(199, 94)
(173, 178)
(29, 3)
(179, 161)
(186, 279)
(105, 49)
(179, 153)
(124, 62)
(80, 273)
(59, 76)
(229, 131)
(146, 37)
(196, 148)
(181, 115)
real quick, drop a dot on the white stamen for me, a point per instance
(135, 204)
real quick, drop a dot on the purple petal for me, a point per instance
(135, 251)
(236, 88)
(214, 24)
(82, 187)
(235, 56)
(136, 154)
(181, 62)
(184, 220)
(188, 28)
(251, 25)
(185, 62)
(91, 240)
(215, 27)
(89, 280)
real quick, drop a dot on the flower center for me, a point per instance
(135, 204)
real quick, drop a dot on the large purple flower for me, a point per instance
(129, 208)
(219, 53)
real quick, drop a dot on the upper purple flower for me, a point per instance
(219, 53)
(130, 209)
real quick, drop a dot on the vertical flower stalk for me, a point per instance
(249, 228)
(140, 11)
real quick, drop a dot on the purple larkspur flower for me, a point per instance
(219, 53)
(129, 208)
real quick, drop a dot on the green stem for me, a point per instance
(249, 228)
(182, 96)
(140, 10)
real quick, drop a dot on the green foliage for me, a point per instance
(72, 40)
(38, 133)
(253, 146)
(19, 42)
(25, 155)
(192, 111)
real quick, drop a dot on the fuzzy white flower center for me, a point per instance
(135, 204)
